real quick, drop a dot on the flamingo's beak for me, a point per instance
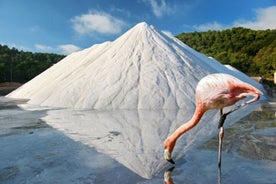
(168, 157)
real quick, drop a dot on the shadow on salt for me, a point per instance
(135, 138)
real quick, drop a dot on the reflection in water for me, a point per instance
(168, 179)
(252, 137)
(135, 138)
(219, 175)
(168, 176)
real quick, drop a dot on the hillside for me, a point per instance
(252, 52)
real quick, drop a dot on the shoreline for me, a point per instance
(7, 87)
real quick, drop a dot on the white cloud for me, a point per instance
(68, 48)
(265, 19)
(210, 26)
(98, 22)
(35, 28)
(43, 47)
(18, 47)
(168, 33)
(62, 49)
(159, 9)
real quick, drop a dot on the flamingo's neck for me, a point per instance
(189, 125)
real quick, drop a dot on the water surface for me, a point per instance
(44, 145)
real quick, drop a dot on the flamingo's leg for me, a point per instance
(221, 134)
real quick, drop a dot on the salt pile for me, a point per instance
(142, 69)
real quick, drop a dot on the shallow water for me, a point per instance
(57, 146)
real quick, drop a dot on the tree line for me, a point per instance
(252, 52)
(20, 66)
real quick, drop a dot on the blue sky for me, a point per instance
(65, 26)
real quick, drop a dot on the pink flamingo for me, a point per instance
(215, 91)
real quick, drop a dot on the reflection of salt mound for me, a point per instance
(135, 138)
(142, 69)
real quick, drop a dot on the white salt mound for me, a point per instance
(142, 69)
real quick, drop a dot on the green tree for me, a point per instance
(248, 50)
(265, 61)
(22, 66)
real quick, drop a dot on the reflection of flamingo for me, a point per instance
(214, 91)
(168, 176)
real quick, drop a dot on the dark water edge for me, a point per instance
(34, 152)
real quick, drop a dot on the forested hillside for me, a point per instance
(19, 66)
(252, 52)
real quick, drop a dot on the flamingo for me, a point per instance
(214, 91)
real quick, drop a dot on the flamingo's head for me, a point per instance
(168, 146)
(168, 157)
